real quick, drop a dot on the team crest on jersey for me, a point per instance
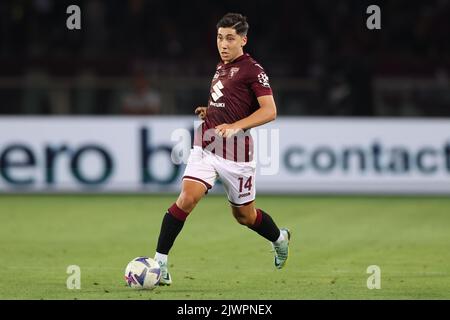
(233, 71)
(264, 79)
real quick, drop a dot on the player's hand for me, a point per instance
(227, 130)
(201, 111)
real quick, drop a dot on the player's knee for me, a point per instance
(244, 220)
(245, 215)
(187, 201)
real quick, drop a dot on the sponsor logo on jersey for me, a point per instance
(217, 93)
(217, 104)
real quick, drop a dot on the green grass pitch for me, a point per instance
(334, 240)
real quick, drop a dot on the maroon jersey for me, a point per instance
(233, 96)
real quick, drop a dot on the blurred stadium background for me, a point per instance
(322, 59)
(360, 111)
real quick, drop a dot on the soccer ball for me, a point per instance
(142, 273)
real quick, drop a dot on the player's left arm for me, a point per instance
(258, 81)
(267, 112)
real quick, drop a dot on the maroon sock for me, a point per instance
(265, 226)
(171, 226)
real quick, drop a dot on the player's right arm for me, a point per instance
(201, 112)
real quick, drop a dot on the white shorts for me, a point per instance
(238, 178)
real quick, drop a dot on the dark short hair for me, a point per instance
(235, 21)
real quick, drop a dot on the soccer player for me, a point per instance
(240, 99)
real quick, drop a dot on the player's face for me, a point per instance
(230, 44)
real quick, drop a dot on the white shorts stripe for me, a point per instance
(198, 181)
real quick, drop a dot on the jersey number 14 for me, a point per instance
(247, 185)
